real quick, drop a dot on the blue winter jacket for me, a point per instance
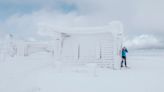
(124, 52)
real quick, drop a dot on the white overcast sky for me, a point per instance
(142, 19)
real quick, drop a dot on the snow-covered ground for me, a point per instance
(39, 73)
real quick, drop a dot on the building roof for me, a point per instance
(113, 27)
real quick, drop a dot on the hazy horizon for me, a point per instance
(142, 19)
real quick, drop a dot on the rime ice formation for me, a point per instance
(100, 45)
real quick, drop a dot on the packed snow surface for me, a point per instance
(40, 73)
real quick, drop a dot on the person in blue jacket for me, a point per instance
(124, 51)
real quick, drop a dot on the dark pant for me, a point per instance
(123, 61)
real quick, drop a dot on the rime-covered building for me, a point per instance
(100, 45)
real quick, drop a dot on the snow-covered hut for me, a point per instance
(83, 45)
(100, 45)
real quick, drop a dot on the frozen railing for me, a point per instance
(34, 48)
